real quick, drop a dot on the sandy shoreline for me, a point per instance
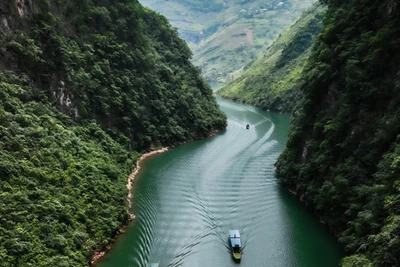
(97, 255)
(136, 170)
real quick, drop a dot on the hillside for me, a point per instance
(226, 35)
(273, 81)
(343, 153)
(85, 88)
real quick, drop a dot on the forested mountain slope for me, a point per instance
(273, 80)
(226, 35)
(85, 87)
(343, 153)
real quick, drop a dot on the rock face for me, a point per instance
(12, 11)
(15, 16)
(392, 6)
(5, 16)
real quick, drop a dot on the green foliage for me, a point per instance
(26, 47)
(62, 187)
(343, 149)
(85, 87)
(225, 36)
(273, 81)
(356, 260)
(126, 69)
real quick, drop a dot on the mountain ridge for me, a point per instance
(273, 81)
(86, 87)
(221, 53)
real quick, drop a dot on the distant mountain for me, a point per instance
(273, 81)
(226, 35)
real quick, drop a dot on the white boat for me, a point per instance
(236, 246)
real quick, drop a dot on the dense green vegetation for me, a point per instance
(273, 81)
(62, 188)
(343, 153)
(226, 35)
(85, 87)
(116, 50)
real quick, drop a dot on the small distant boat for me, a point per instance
(236, 246)
(153, 265)
(248, 126)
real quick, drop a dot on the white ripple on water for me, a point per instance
(198, 198)
(252, 190)
(226, 182)
(216, 165)
(261, 122)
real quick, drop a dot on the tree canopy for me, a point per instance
(85, 88)
(343, 149)
(273, 80)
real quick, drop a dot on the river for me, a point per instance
(186, 200)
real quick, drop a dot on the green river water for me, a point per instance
(186, 200)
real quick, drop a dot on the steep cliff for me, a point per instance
(342, 156)
(120, 64)
(85, 87)
(273, 81)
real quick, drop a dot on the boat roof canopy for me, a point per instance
(234, 233)
(235, 243)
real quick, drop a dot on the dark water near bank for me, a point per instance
(188, 198)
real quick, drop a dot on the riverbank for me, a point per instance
(294, 192)
(187, 199)
(97, 255)
(135, 171)
(301, 198)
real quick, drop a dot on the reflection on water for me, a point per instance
(188, 198)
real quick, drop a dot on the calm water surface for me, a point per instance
(188, 198)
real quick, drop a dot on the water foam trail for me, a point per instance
(205, 188)
(261, 122)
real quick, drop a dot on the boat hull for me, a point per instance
(237, 255)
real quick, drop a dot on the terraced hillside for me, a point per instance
(273, 80)
(226, 35)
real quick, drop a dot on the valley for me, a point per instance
(225, 36)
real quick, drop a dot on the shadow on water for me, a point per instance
(303, 229)
(187, 199)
